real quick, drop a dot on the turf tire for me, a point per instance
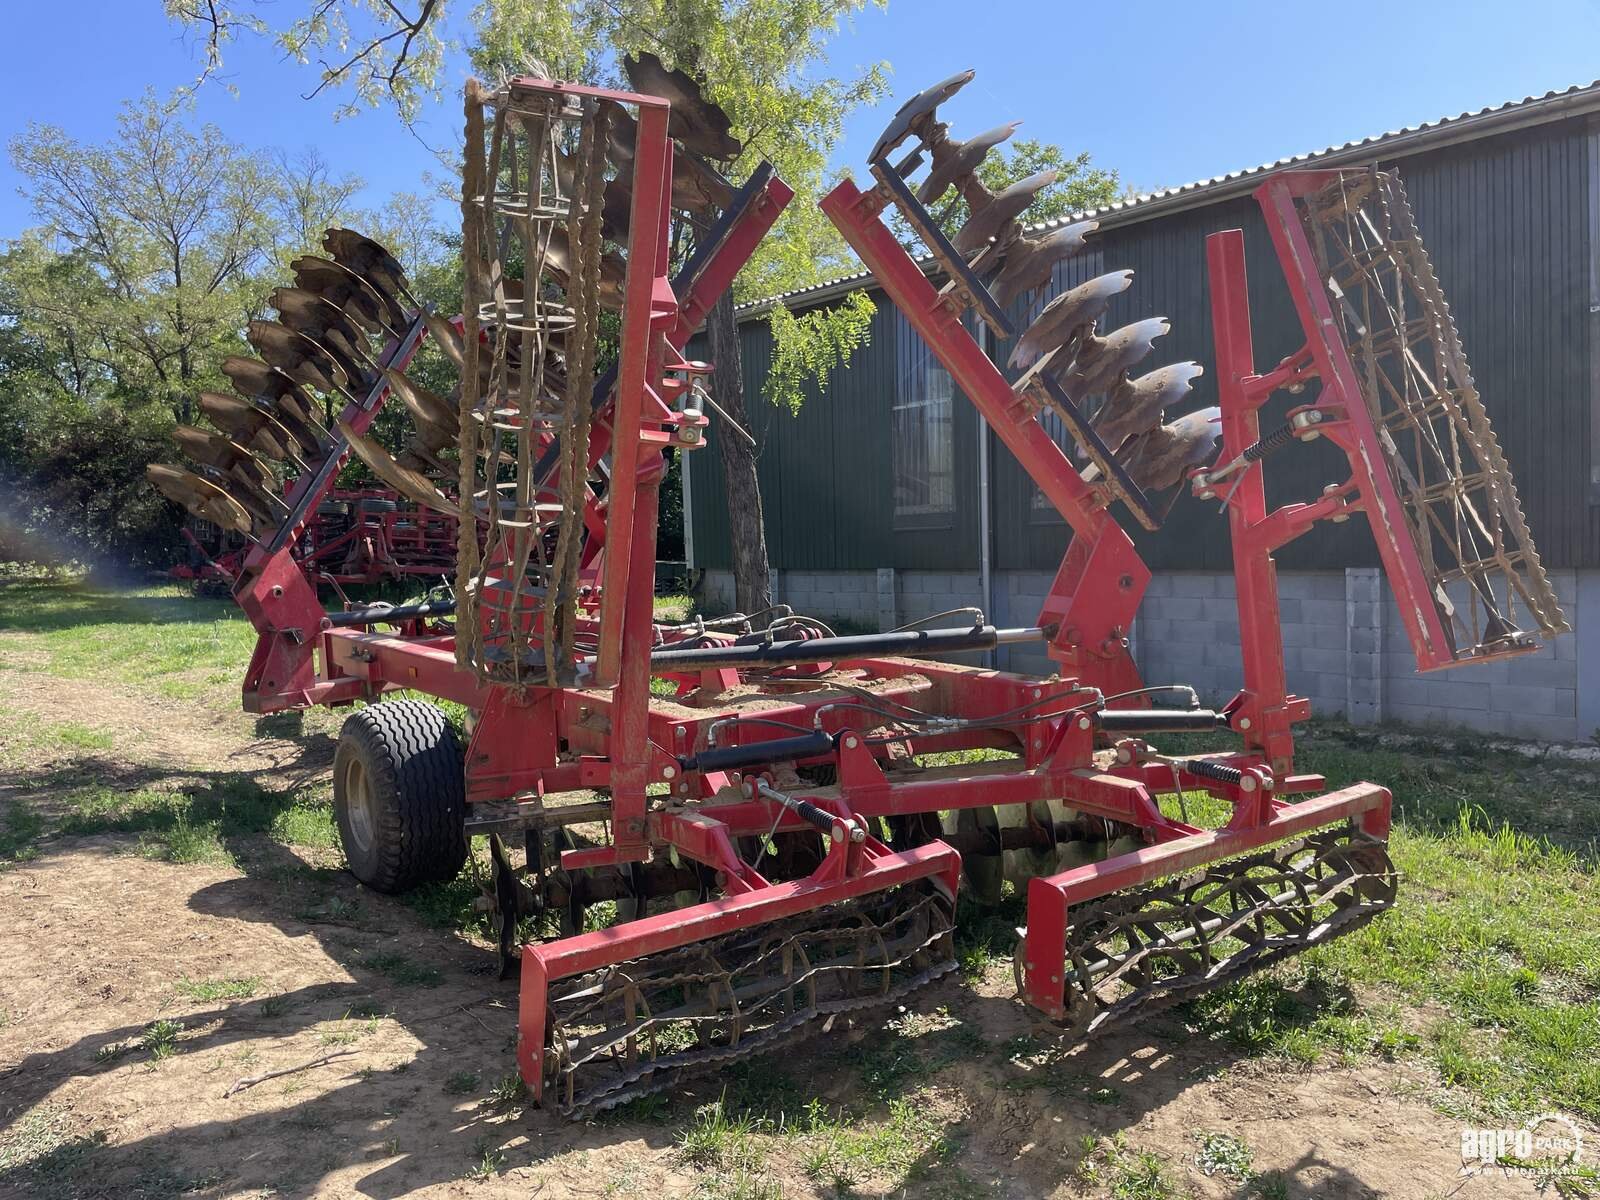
(411, 827)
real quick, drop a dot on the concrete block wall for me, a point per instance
(1344, 646)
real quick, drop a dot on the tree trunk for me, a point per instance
(751, 574)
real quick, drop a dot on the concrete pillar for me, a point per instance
(1364, 609)
(1586, 633)
(888, 610)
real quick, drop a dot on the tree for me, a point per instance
(383, 52)
(152, 252)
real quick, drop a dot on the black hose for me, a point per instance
(392, 614)
(755, 754)
(921, 643)
(1160, 720)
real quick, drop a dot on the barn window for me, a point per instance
(922, 436)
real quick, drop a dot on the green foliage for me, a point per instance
(813, 345)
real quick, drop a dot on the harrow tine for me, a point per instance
(1029, 260)
(201, 497)
(1136, 405)
(953, 161)
(1102, 361)
(350, 293)
(990, 220)
(1067, 317)
(297, 356)
(698, 124)
(1162, 457)
(412, 484)
(917, 115)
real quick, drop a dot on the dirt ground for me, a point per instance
(96, 939)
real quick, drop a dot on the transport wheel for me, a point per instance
(399, 795)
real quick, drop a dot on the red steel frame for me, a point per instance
(616, 739)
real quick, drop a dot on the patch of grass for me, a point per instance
(509, 1091)
(209, 990)
(489, 1160)
(1126, 1173)
(720, 1139)
(79, 737)
(42, 1147)
(405, 971)
(841, 1152)
(160, 1039)
(675, 608)
(1225, 1155)
(20, 828)
(462, 1083)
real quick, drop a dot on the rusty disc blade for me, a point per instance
(987, 223)
(370, 261)
(427, 408)
(1162, 458)
(310, 315)
(953, 160)
(200, 496)
(286, 400)
(1068, 317)
(1101, 361)
(222, 453)
(696, 122)
(249, 423)
(917, 113)
(1136, 405)
(1030, 260)
(298, 357)
(617, 209)
(414, 485)
(346, 290)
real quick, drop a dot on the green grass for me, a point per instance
(462, 1083)
(1494, 931)
(206, 991)
(160, 1039)
(400, 969)
(42, 1152)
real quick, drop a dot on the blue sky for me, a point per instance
(1165, 92)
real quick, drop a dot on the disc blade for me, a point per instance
(1101, 361)
(952, 160)
(370, 261)
(200, 496)
(289, 404)
(222, 453)
(343, 288)
(698, 123)
(1136, 405)
(298, 357)
(310, 315)
(1030, 260)
(1068, 316)
(1164, 456)
(414, 485)
(987, 223)
(917, 113)
(248, 423)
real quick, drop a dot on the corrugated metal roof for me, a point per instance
(1429, 135)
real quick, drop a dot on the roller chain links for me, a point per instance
(414, 765)
(638, 1027)
(1137, 952)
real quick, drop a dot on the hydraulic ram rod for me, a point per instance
(914, 643)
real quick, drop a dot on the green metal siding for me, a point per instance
(1507, 221)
